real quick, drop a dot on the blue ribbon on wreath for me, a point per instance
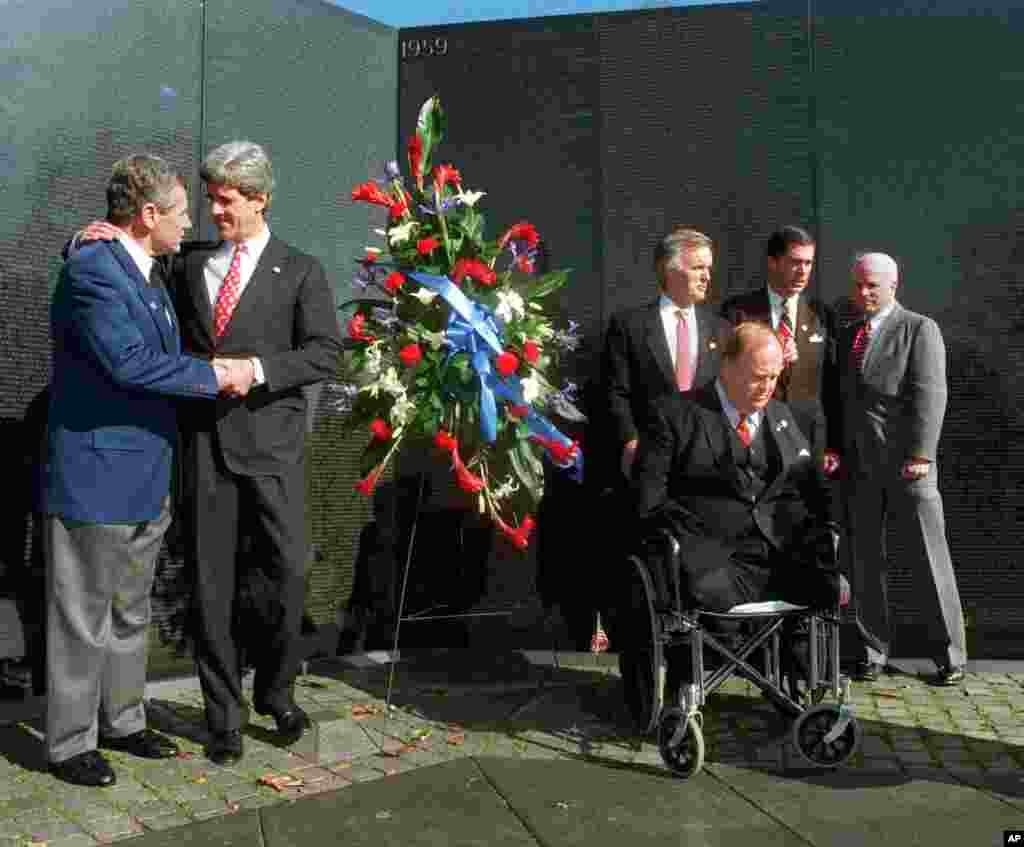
(475, 330)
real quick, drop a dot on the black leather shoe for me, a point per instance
(88, 768)
(291, 722)
(865, 671)
(145, 743)
(949, 675)
(225, 748)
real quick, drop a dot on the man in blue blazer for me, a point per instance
(117, 367)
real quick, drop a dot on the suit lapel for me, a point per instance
(266, 274)
(777, 428)
(890, 325)
(152, 298)
(195, 280)
(725, 449)
(655, 332)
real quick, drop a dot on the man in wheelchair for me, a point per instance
(727, 472)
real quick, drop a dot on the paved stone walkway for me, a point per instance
(447, 706)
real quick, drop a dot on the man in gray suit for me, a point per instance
(889, 399)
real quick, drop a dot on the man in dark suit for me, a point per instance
(885, 419)
(662, 348)
(729, 473)
(804, 324)
(111, 434)
(254, 298)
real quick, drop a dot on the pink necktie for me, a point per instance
(743, 431)
(860, 345)
(684, 367)
(227, 297)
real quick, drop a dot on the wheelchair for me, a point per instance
(826, 735)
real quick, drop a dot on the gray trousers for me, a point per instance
(99, 578)
(872, 497)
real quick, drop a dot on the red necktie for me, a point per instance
(684, 369)
(860, 345)
(789, 353)
(743, 431)
(227, 297)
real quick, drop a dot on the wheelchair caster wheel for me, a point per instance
(681, 743)
(826, 735)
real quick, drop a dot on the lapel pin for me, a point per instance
(803, 327)
(816, 338)
(712, 345)
(804, 452)
(782, 425)
(277, 270)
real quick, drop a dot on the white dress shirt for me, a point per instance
(670, 321)
(875, 323)
(778, 304)
(753, 419)
(218, 264)
(144, 262)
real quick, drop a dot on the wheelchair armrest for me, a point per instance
(670, 556)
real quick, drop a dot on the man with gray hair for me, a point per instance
(661, 348)
(111, 435)
(254, 298)
(887, 406)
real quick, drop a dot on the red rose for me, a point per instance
(521, 231)
(366, 485)
(371, 256)
(507, 363)
(445, 440)
(380, 429)
(518, 411)
(524, 264)
(357, 328)
(369, 192)
(480, 271)
(426, 246)
(411, 355)
(531, 352)
(394, 282)
(445, 174)
(415, 150)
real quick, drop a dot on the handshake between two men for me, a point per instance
(235, 377)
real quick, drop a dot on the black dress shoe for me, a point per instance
(88, 768)
(145, 743)
(291, 722)
(865, 671)
(225, 748)
(949, 675)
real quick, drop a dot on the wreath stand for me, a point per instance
(419, 616)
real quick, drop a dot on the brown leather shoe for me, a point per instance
(88, 768)
(145, 743)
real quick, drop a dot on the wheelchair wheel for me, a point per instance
(813, 735)
(640, 659)
(681, 743)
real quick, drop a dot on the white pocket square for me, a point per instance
(816, 339)
(803, 452)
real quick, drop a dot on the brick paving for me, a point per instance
(967, 733)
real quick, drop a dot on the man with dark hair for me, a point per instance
(885, 419)
(662, 348)
(111, 434)
(805, 326)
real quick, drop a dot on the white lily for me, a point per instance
(425, 296)
(470, 197)
(506, 489)
(401, 410)
(400, 234)
(531, 388)
(510, 306)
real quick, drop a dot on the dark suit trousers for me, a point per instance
(226, 508)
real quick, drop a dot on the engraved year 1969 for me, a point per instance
(415, 48)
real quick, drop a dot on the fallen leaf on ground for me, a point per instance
(456, 738)
(185, 754)
(201, 779)
(280, 782)
(362, 711)
(384, 815)
(561, 804)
